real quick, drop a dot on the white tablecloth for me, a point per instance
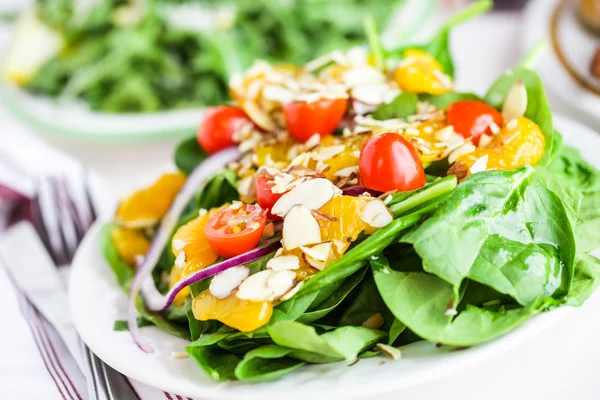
(560, 363)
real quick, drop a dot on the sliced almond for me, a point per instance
(479, 165)
(374, 94)
(180, 259)
(292, 292)
(375, 321)
(346, 172)
(340, 245)
(366, 75)
(515, 104)
(376, 214)
(319, 252)
(179, 355)
(300, 228)
(484, 140)
(325, 153)
(317, 264)
(444, 134)
(461, 151)
(283, 263)
(259, 117)
(391, 351)
(224, 283)
(278, 93)
(312, 194)
(280, 283)
(179, 244)
(254, 288)
(312, 141)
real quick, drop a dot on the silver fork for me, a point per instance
(63, 214)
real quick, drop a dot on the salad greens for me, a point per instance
(134, 56)
(459, 263)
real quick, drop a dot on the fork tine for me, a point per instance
(69, 207)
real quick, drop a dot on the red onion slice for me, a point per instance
(205, 170)
(249, 256)
(358, 190)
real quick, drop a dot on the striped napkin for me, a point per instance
(35, 364)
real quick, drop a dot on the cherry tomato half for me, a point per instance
(389, 162)
(218, 127)
(323, 116)
(235, 229)
(265, 197)
(472, 118)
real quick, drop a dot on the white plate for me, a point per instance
(578, 46)
(96, 302)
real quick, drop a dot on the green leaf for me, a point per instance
(513, 211)
(586, 279)
(122, 271)
(404, 105)
(538, 109)
(334, 300)
(220, 365)
(340, 344)
(188, 155)
(122, 325)
(442, 101)
(266, 363)
(367, 303)
(395, 330)
(420, 301)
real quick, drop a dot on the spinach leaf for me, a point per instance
(220, 365)
(122, 271)
(395, 331)
(188, 155)
(538, 109)
(402, 106)
(343, 343)
(199, 328)
(334, 300)
(442, 101)
(504, 229)
(266, 363)
(122, 325)
(420, 300)
(586, 279)
(219, 190)
(367, 303)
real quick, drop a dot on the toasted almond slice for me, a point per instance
(278, 93)
(223, 284)
(444, 134)
(180, 259)
(292, 292)
(325, 153)
(479, 165)
(346, 172)
(484, 140)
(317, 264)
(300, 228)
(280, 283)
(312, 141)
(259, 117)
(283, 263)
(461, 151)
(376, 214)
(254, 287)
(362, 76)
(515, 103)
(319, 252)
(374, 94)
(312, 194)
(375, 321)
(339, 245)
(179, 355)
(391, 351)
(179, 244)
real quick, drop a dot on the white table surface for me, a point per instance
(561, 363)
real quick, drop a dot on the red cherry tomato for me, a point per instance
(472, 118)
(218, 127)
(235, 229)
(265, 197)
(389, 162)
(304, 119)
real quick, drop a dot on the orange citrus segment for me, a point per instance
(193, 252)
(348, 224)
(147, 206)
(518, 143)
(242, 315)
(129, 244)
(419, 72)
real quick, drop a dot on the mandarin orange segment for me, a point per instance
(423, 140)
(347, 226)
(419, 72)
(518, 143)
(129, 244)
(147, 206)
(274, 154)
(242, 315)
(193, 251)
(350, 157)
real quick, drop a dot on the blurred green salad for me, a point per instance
(149, 55)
